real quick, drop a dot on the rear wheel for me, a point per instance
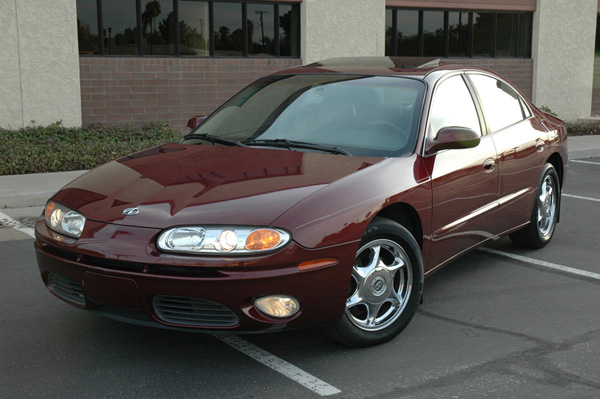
(385, 286)
(545, 212)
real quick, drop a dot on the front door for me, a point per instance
(464, 181)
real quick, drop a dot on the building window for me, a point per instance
(205, 28)
(458, 33)
(448, 33)
(289, 30)
(597, 47)
(228, 31)
(407, 33)
(119, 32)
(261, 29)
(484, 26)
(158, 27)
(194, 27)
(87, 27)
(433, 33)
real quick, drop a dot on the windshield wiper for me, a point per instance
(289, 144)
(212, 139)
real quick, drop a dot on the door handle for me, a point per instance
(489, 165)
(540, 145)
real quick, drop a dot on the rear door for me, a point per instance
(520, 142)
(464, 181)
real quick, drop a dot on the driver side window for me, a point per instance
(452, 107)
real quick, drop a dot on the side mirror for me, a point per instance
(451, 138)
(195, 121)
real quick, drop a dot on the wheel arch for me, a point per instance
(405, 215)
(557, 161)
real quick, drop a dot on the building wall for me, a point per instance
(10, 95)
(342, 28)
(40, 68)
(39, 63)
(563, 49)
(136, 90)
(596, 88)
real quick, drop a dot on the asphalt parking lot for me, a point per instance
(497, 323)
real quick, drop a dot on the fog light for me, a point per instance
(278, 306)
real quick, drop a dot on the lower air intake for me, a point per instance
(193, 312)
(65, 288)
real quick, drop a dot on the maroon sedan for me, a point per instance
(322, 194)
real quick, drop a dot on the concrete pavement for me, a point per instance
(20, 191)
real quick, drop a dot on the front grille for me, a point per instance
(66, 289)
(194, 312)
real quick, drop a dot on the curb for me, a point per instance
(584, 147)
(22, 191)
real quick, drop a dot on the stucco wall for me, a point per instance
(563, 53)
(342, 28)
(10, 93)
(39, 63)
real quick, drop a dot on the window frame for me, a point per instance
(393, 50)
(177, 51)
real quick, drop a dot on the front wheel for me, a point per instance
(545, 212)
(385, 286)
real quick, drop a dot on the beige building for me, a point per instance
(115, 62)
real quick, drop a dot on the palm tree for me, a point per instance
(148, 16)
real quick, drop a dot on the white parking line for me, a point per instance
(542, 263)
(580, 197)
(8, 221)
(587, 162)
(281, 366)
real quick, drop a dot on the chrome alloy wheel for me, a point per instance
(546, 213)
(381, 285)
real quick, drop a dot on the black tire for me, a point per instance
(544, 215)
(389, 285)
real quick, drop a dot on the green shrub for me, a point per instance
(578, 129)
(55, 148)
(575, 129)
(547, 110)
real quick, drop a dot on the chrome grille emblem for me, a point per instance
(131, 211)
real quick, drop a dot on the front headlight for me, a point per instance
(64, 220)
(221, 240)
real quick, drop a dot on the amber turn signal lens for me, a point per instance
(49, 208)
(317, 263)
(263, 239)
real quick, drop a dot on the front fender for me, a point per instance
(340, 212)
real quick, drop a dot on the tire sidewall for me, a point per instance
(381, 228)
(549, 170)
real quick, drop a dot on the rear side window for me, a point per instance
(502, 106)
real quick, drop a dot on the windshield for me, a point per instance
(361, 115)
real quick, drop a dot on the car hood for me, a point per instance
(177, 184)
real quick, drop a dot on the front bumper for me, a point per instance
(123, 276)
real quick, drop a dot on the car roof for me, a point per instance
(416, 67)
